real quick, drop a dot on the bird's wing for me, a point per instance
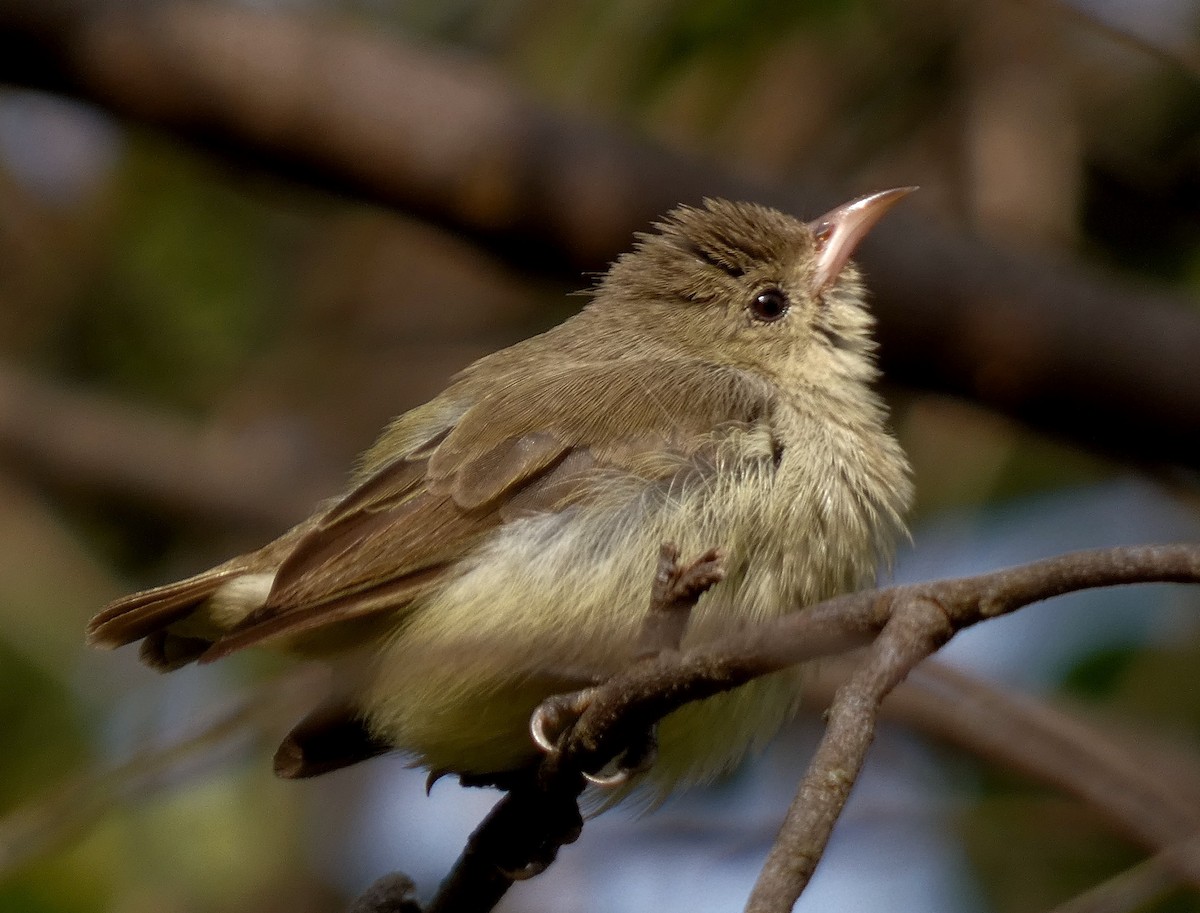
(525, 445)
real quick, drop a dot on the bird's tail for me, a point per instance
(149, 615)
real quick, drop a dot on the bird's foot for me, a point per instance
(553, 719)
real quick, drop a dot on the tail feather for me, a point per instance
(151, 611)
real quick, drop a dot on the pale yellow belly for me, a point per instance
(554, 603)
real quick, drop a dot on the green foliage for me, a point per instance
(1060, 846)
(68, 883)
(28, 895)
(1159, 690)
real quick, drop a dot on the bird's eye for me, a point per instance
(768, 306)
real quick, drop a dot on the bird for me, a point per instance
(496, 545)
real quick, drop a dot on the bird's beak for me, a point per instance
(840, 230)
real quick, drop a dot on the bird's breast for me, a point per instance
(554, 601)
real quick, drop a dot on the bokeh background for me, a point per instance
(199, 331)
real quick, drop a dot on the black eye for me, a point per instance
(769, 306)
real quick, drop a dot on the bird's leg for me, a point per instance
(677, 588)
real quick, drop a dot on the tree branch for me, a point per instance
(916, 629)
(905, 623)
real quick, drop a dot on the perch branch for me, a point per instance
(906, 623)
(540, 813)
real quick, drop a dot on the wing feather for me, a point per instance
(526, 445)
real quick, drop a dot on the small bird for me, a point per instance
(497, 545)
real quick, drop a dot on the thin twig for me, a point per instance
(917, 629)
(649, 691)
(1124, 780)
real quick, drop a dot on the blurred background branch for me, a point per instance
(161, 461)
(52, 822)
(439, 133)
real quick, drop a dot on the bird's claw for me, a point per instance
(555, 716)
(638, 758)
